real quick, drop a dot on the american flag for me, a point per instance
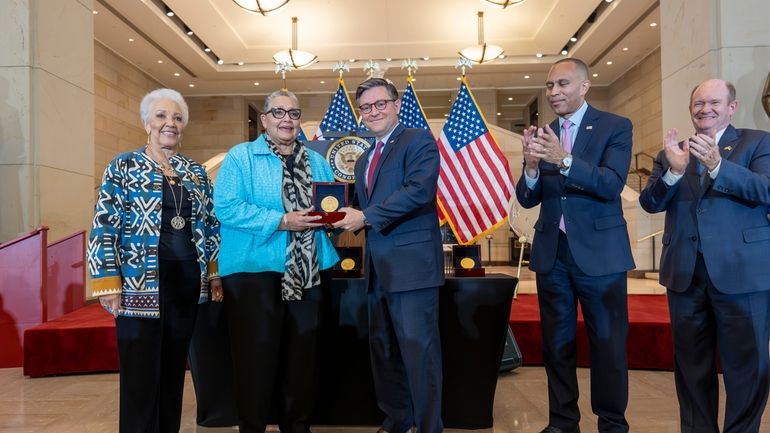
(413, 116)
(340, 115)
(475, 183)
(301, 136)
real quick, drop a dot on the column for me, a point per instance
(46, 116)
(714, 39)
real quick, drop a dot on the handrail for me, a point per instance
(651, 235)
(21, 238)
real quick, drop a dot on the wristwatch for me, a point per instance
(566, 163)
(366, 222)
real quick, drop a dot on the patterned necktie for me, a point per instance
(372, 167)
(566, 144)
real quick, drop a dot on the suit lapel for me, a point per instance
(728, 142)
(585, 133)
(385, 152)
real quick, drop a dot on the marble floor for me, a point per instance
(89, 404)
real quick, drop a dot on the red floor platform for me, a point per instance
(84, 341)
(649, 334)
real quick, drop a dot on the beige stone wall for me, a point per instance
(637, 95)
(118, 89)
(217, 123)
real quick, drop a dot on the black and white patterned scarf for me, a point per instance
(301, 258)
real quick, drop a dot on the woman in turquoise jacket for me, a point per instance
(271, 260)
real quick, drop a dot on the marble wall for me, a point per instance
(46, 116)
(119, 87)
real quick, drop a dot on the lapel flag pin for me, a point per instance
(590, 127)
(728, 148)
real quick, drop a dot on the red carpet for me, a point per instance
(649, 335)
(84, 341)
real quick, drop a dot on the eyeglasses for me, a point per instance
(379, 105)
(280, 113)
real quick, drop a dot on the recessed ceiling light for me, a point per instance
(446, 115)
(176, 74)
(207, 49)
(95, 12)
(501, 56)
(323, 82)
(510, 99)
(564, 52)
(170, 13)
(499, 114)
(414, 79)
(539, 55)
(526, 77)
(653, 24)
(191, 85)
(352, 60)
(573, 39)
(189, 32)
(625, 48)
(609, 62)
(458, 78)
(387, 59)
(130, 39)
(220, 62)
(160, 61)
(608, 1)
(256, 83)
(596, 75)
(240, 63)
(426, 58)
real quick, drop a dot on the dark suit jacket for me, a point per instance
(728, 215)
(404, 240)
(589, 198)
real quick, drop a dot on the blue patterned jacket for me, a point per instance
(123, 244)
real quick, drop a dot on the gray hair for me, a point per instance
(731, 92)
(157, 95)
(377, 82)
(277, 93)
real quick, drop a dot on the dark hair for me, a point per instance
(731, 94)
(377, 82)
(579, 65)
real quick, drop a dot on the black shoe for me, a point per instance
(552, 429)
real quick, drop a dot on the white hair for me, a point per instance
(158, 94)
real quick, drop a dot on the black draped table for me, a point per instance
(473, 317)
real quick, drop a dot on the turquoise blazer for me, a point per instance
(248, 204)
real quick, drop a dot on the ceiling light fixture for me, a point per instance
(609, 62)
(502, 4)
(564, 52)
(256, 83)
(625, 48)
(220, 62)
(188, 31)
(169, 12)
(596, 75)
(539, 55)
(526, 77)
(387, 59)
(207, 49)
(653, 24)
(262, 7)
(240, 63)
(191, 85)
(130, 39)
(176, 74)
(573, 39)
(483, 52)
(95, 12)
(297, 59)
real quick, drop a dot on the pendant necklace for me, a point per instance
(178, 221)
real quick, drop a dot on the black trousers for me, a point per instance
(153, 353)
(275, 348)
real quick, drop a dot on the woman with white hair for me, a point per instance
(152, 254)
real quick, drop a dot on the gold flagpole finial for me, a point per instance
(340, 67)
(371, 67)
(282, 68)
(463, 63)
(410, 65)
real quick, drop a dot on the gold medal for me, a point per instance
(330, 204)
(467, 263)
(347, 264)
